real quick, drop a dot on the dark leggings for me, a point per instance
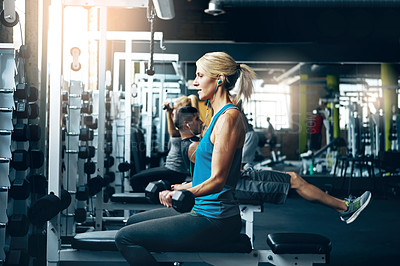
(165, 229)
(140, 180)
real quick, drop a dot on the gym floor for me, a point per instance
(372, 239)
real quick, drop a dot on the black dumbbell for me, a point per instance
(37, 159)
(182, 200)
(20, 160)
(48, 207)
(33, 94)
(89, 168)
(89, 122)
(20, 189)
(108, 192)
(95, 185)
(22, 91)
(108, 136)
(22, 110)
(35, 132)
(82, 193)
(80, 215)
(108, 148)
(109, 161)
(109, 177)
(86, 134)
(86, 152)
(153, 188)
(21, 132)
(34, 110)
(18, 225)
(124, 167)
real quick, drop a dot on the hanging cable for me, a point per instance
(150, 17)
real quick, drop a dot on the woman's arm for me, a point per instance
(227, 136)
(192, 151)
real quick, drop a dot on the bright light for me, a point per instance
(75, 35)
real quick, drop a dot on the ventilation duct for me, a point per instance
(215, 7)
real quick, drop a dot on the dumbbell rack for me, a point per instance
(25, 160)
(7, 86)
(74, 176)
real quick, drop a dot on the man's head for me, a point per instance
(187, 120)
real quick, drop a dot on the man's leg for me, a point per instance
(349, 209)
(312, 193)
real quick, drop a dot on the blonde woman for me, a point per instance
(215, 218)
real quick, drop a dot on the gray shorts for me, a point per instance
(263, 185)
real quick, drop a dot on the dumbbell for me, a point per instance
(48, 207)
(108, 148)
(86, 134)
(20, 189)
(109, 177)
(22, 91)
(18, 225)
(109, 161)
(154, 188)
(182, 200)
(22, 110)
(86, 152)
(90, 122)
(21, 132)
(87, 108)
(33, 94)
(35, 132)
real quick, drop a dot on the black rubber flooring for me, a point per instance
(372, 239)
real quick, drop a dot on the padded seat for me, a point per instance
(135, 197)
(95, 240)
(104, 241)
(299, 243)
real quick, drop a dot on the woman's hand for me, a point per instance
(165, 197)
(181, 186)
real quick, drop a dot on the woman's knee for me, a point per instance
(119, 239)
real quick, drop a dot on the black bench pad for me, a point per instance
(299, 243)
(104, 241)
(135, 197)
(96, 240)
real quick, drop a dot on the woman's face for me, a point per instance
(206, 86)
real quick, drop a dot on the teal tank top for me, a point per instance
(222, 204)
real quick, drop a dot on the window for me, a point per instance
(269, 101)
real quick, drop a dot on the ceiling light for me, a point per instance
(214, 8)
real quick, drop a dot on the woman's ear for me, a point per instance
(221, 78)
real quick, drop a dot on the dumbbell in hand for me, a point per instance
(182, 200)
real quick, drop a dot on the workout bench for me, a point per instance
(138, 201)
(286, 248)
